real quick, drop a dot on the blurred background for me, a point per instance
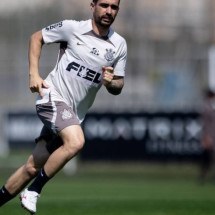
(168, 68)
(143, 151)
(168, 43)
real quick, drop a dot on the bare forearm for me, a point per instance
(35, 47)
(36, 83)
(115, 86)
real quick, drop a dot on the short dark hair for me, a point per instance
(95, 1)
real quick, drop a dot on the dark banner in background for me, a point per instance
(123, 136)
(142, 136)
(21, 129)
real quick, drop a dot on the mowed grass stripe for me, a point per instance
(122, 193)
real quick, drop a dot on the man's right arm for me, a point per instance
(36, 83)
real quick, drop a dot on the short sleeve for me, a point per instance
(57, 32)
(120, 65)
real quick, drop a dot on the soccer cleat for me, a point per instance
(29, 200)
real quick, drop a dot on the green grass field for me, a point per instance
(124, 189)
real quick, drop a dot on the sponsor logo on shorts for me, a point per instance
(66, 114)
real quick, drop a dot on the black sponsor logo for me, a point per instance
(95, 51)
(85, 72)
(56, 25)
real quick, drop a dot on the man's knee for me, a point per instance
(79, 144)
(72, 146)
(73, 139)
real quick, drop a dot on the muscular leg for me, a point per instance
(28, 171)
(73, 141)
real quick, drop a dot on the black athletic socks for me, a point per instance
(5, 196)
(36, 186)
(39, 182)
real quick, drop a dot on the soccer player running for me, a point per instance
(91, 55)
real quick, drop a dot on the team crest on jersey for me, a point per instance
(66, 114)
(109, 56)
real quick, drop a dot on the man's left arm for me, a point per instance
(115, 86)
(113, 83)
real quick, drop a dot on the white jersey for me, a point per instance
(76, 77)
